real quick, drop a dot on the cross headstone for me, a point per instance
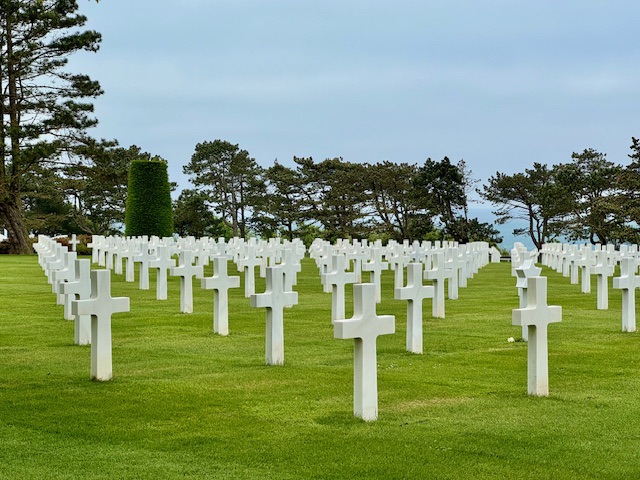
(437, 275)
(162, 263)
(101, 305)
(525, 271)
(248, 264)
(73, 242)
(628, 281)
(603, 271)
(453, 265)
(274, 299)
(143, 257)
(585, 263)
(537, 315)
(186, 270)
(338, 277)
(80, 289)
(68, 273)
(375, 266)
(364, 327)
(220, 283)
(415, 292)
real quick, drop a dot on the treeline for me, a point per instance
(233, 195)
(329, 199)
(588, 199)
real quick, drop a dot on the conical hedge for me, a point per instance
(148, 200)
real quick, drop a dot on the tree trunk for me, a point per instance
(13, 220)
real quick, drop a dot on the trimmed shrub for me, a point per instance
(148, 209)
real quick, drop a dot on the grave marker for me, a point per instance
(186, 270)
(364, 327)
(415, 292)
(274, 299)
(220, 283)
(101, 305)
(537, 316)
(338, 277)
(80, 289)
(628, 281)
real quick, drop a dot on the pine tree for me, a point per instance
(43, 111)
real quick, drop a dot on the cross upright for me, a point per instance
(415, 292)
(375, 266)
(603, 271)
(80, 289)
(537, 316)
(249, 263)
(628, 281)
(291, 268)
(68, 273)
(162, 263)
(585, 263)
(73, 242)
(357, 256)
(143, 257)
(186, 270)
(274, 299)
(397, 260)
(525, 271)
(437, 275)
(101, 305)
(364, 327)
(338, 277)
(454, 266)
(220, 283)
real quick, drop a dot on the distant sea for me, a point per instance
(483, 213)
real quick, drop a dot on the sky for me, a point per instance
(499, 83)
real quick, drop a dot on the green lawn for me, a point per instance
(186, 403)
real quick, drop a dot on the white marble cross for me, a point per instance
(437, 275)
(101, 305)
(454, 266)
(537, 316)
(248, 264)
(61, 276)
(73, 242)
(220, 283)
(364, 327)
(186, 270)
(143, 257)
(603, 271)
(585, 263)
(415, 292)
(80, 289)
(375, 266)
(162, 263)
(291, 268)
(338, 277)
(628, 281)
(525, 271)
(274, 299)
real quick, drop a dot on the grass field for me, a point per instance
(186, 403)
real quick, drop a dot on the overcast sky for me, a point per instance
(499, 83)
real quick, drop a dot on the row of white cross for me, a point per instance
(452, 262)
(599, 260)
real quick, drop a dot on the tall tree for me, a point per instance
(280, 208)
(393, 200)
(192, 217)
(591, 184)
(43, 112)
(532, 196)
(333, 193)
(230, 178)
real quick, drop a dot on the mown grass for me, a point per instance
(186, 403)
